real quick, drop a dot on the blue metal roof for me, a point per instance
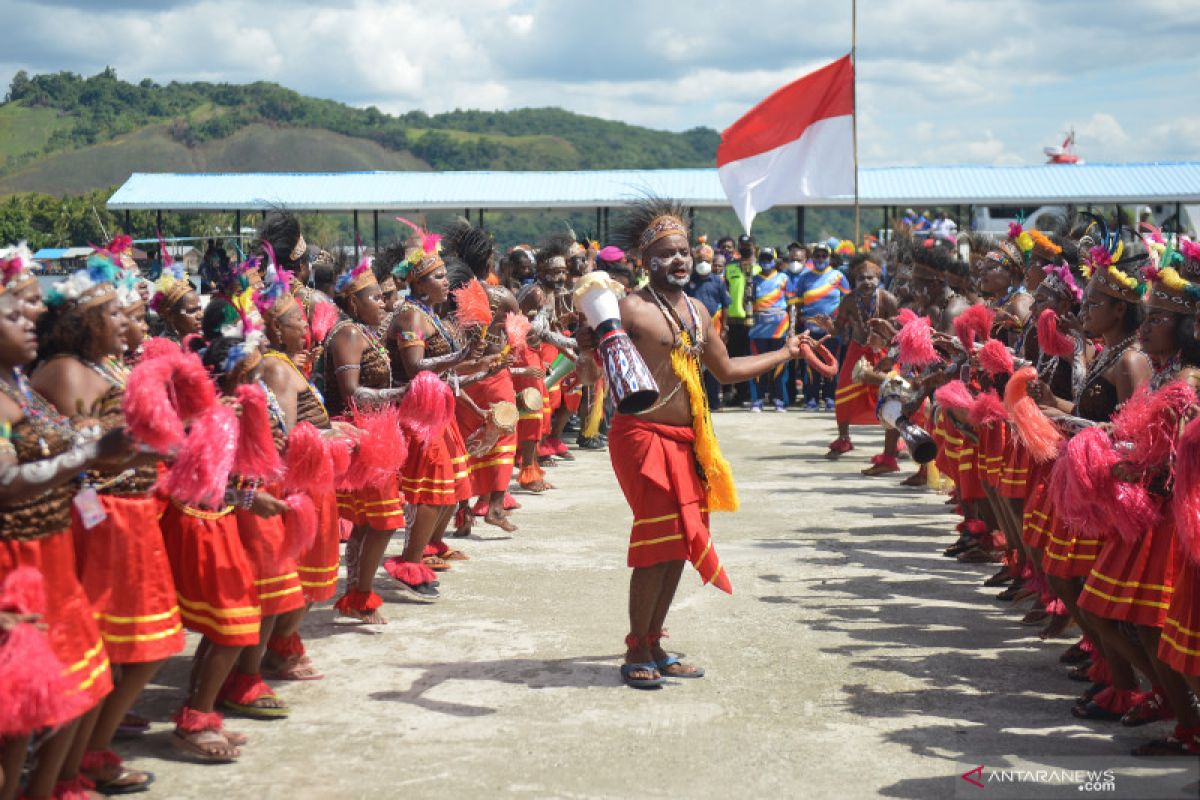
(51, 253)
(1158, 182)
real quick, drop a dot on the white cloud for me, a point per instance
(972, 80)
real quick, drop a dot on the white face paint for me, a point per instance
(667, 267)
(703, 268)
(794, 267)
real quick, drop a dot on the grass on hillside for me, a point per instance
(26, 130)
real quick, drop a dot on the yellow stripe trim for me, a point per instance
(330, 568)
(87, 657)
(142, 637)
(282, 592)
(246, 611)
(1126, 601)
(1130, 584)
(219, 627)
(148, 618)
(660, 540)
(276, 579)
(1177, 645)
(100, 669)
(318, 584)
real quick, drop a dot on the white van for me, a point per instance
(996, 219)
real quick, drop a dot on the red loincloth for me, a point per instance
(656, 468)
(70, 626)
(214, 579)
(275, 577)
(124, 570)
(318, 567)
(492, 471)
(435, 474)
(1133, 581)
(855, 401)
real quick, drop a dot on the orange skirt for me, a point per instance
(1179, 645)
(70, 624)
(124, 570)
(435, 474)
(318, 566)
(855, 402)
(1132, 581)
(492, 471)
(275, 577)
(214, 578)
(378, 508)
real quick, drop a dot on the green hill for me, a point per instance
(63, 133)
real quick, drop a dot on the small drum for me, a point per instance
(529, 401)
(501, 420)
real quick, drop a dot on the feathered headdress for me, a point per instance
(1060, 280)
(1168, 288)
(274, 299)
(474, 308)
(356, 279)
(88, 287)
(1022, 238)
(16, 268)
(422, 258)
(172, 285)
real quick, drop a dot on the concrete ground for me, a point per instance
(852, 660)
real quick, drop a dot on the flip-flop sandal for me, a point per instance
(455, 555)
(435, 563)
(1094, 711)
(671, 661)
(192, 746)
(627, 671)
(123, 785)
(293, 670)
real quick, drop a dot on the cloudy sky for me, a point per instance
(940, 81)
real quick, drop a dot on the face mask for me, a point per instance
(703, 268)
(794, 267)
(767, 266)
(821, 263)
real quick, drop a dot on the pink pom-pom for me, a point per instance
(324, 317)
(150, 416)
(157, 347)
(300, 525)
(408, 571)
(517, 328)
(1148, 424)
(1186, 500)
(1040, 436)
(1014, 230)
(473, 306)
(427, 407)
(34, 692)
(987, 409)
(1051, 341)
(954, 394)
(309, 468)
(257, 456)
(995, 358)
(916, 343)
(905, 316)
(23, 592)
(191, 386)
(200, 472)
(974, 325)
(341, 450)
(381, 449)
(1081, 479)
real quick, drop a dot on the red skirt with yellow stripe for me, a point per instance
(214, 578)
(989, 453)
(275, 577)
(962, 454)
(124, 570)
(855, 402)
(548, 353)
(1018, 468)
(945, 464)
(656, 468)
(1179, 645)
(70, 625)
(380, 508)
(318, 566)
(1035, 526)
(492, 471)
(1133, 581)
(532, 424)
(435, 473)
(1067, 555)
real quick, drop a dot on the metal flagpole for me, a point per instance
(854, 117)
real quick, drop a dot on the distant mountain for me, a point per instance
(63, 133)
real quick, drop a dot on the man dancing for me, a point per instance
(660, 454)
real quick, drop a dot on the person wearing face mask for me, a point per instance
(770, 325)
(818, 291)
(708, 287)
(738, 275)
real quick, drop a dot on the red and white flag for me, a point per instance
(796, 145)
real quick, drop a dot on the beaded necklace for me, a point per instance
(436, 322)
(867, 312)
(111, 370)
(273, 407)
(37, 409)
(1163, 375)
(372, 337)
(694, 341)
(1104, 361)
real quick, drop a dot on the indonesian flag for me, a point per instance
(796, 145)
